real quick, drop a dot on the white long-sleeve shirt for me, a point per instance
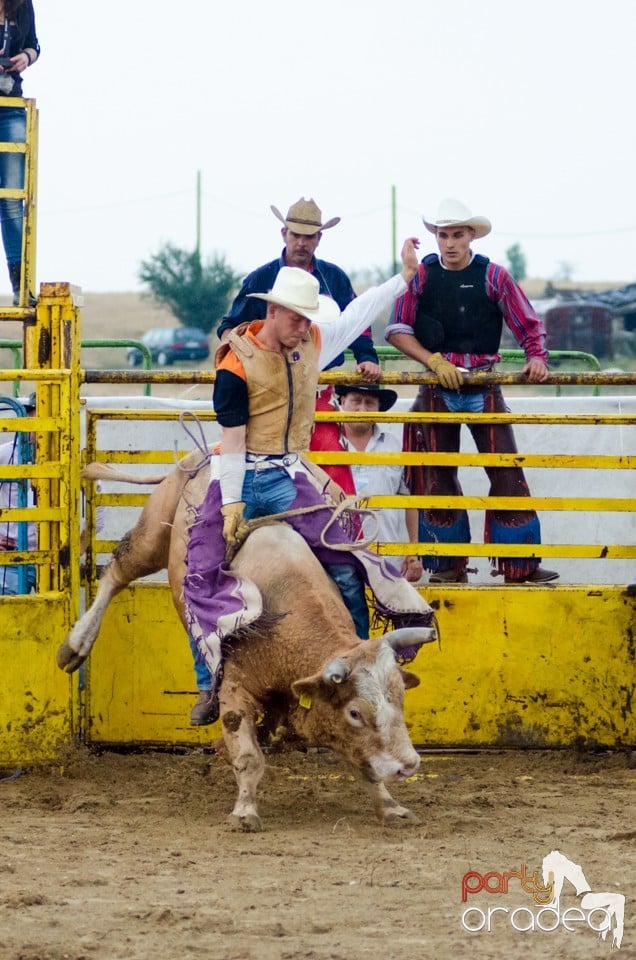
(354, 319)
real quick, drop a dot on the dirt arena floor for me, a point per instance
(112, 856)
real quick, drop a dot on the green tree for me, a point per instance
(198, 294)
(516, 261)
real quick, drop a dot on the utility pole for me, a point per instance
(393, 231)
(198, 237)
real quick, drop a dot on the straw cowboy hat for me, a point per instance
(386, 397)
(304, 216)
(453, 213)
(297, 290)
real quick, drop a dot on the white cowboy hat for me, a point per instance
(297, 290)
(304, 216)
(453, 213)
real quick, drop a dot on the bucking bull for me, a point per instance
(300, 665)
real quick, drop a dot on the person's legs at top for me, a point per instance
(12, 130)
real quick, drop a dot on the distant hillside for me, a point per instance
(121, 315)
(535, 289)
(131, 314)
(117, 316)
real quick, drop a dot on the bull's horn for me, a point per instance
(409, 637)
(335, 672)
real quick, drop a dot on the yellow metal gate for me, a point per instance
(523, 665)
(517, 665)
(38, 708)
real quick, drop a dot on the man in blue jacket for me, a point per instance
(302, 231)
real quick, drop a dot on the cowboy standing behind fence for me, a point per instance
(302, 232)
(450, 320)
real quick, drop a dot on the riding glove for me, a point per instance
(447, 373)
(235, 527)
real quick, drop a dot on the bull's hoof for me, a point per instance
(67, 659)
(399, 817)
(249, 823)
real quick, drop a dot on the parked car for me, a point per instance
(167, 344)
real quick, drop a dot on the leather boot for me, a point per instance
(538, 575)
(15, 276)
(205, 710)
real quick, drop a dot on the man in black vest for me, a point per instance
(451, 320)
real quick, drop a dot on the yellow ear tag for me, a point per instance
(305, 700)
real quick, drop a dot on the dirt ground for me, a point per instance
(130, 856)
(110, 856)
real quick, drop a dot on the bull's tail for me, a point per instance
(102, 471)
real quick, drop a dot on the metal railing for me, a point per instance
(557, 357)
(577, 505)
(146, 357)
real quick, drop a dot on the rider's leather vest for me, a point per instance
(282, 392)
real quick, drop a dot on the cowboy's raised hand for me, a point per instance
(410, 262)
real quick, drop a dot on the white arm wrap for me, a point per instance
(232, 474)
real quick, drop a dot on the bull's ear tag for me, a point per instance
(305, 700)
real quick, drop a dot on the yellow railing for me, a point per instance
(560, 501)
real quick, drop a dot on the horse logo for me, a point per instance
(557, 869)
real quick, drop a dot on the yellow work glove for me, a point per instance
(235, 528)
(447, 373)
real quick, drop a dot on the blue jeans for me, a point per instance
(201, 673)
(272, 491)
(10, 580)
(12, 130)
(464, 402)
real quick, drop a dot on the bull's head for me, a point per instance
(355, 705)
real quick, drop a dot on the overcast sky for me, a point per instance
(525, 111)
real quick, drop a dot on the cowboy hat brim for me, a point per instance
(481, 225)
(386, 396)
(305, 227)
(326, 312)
